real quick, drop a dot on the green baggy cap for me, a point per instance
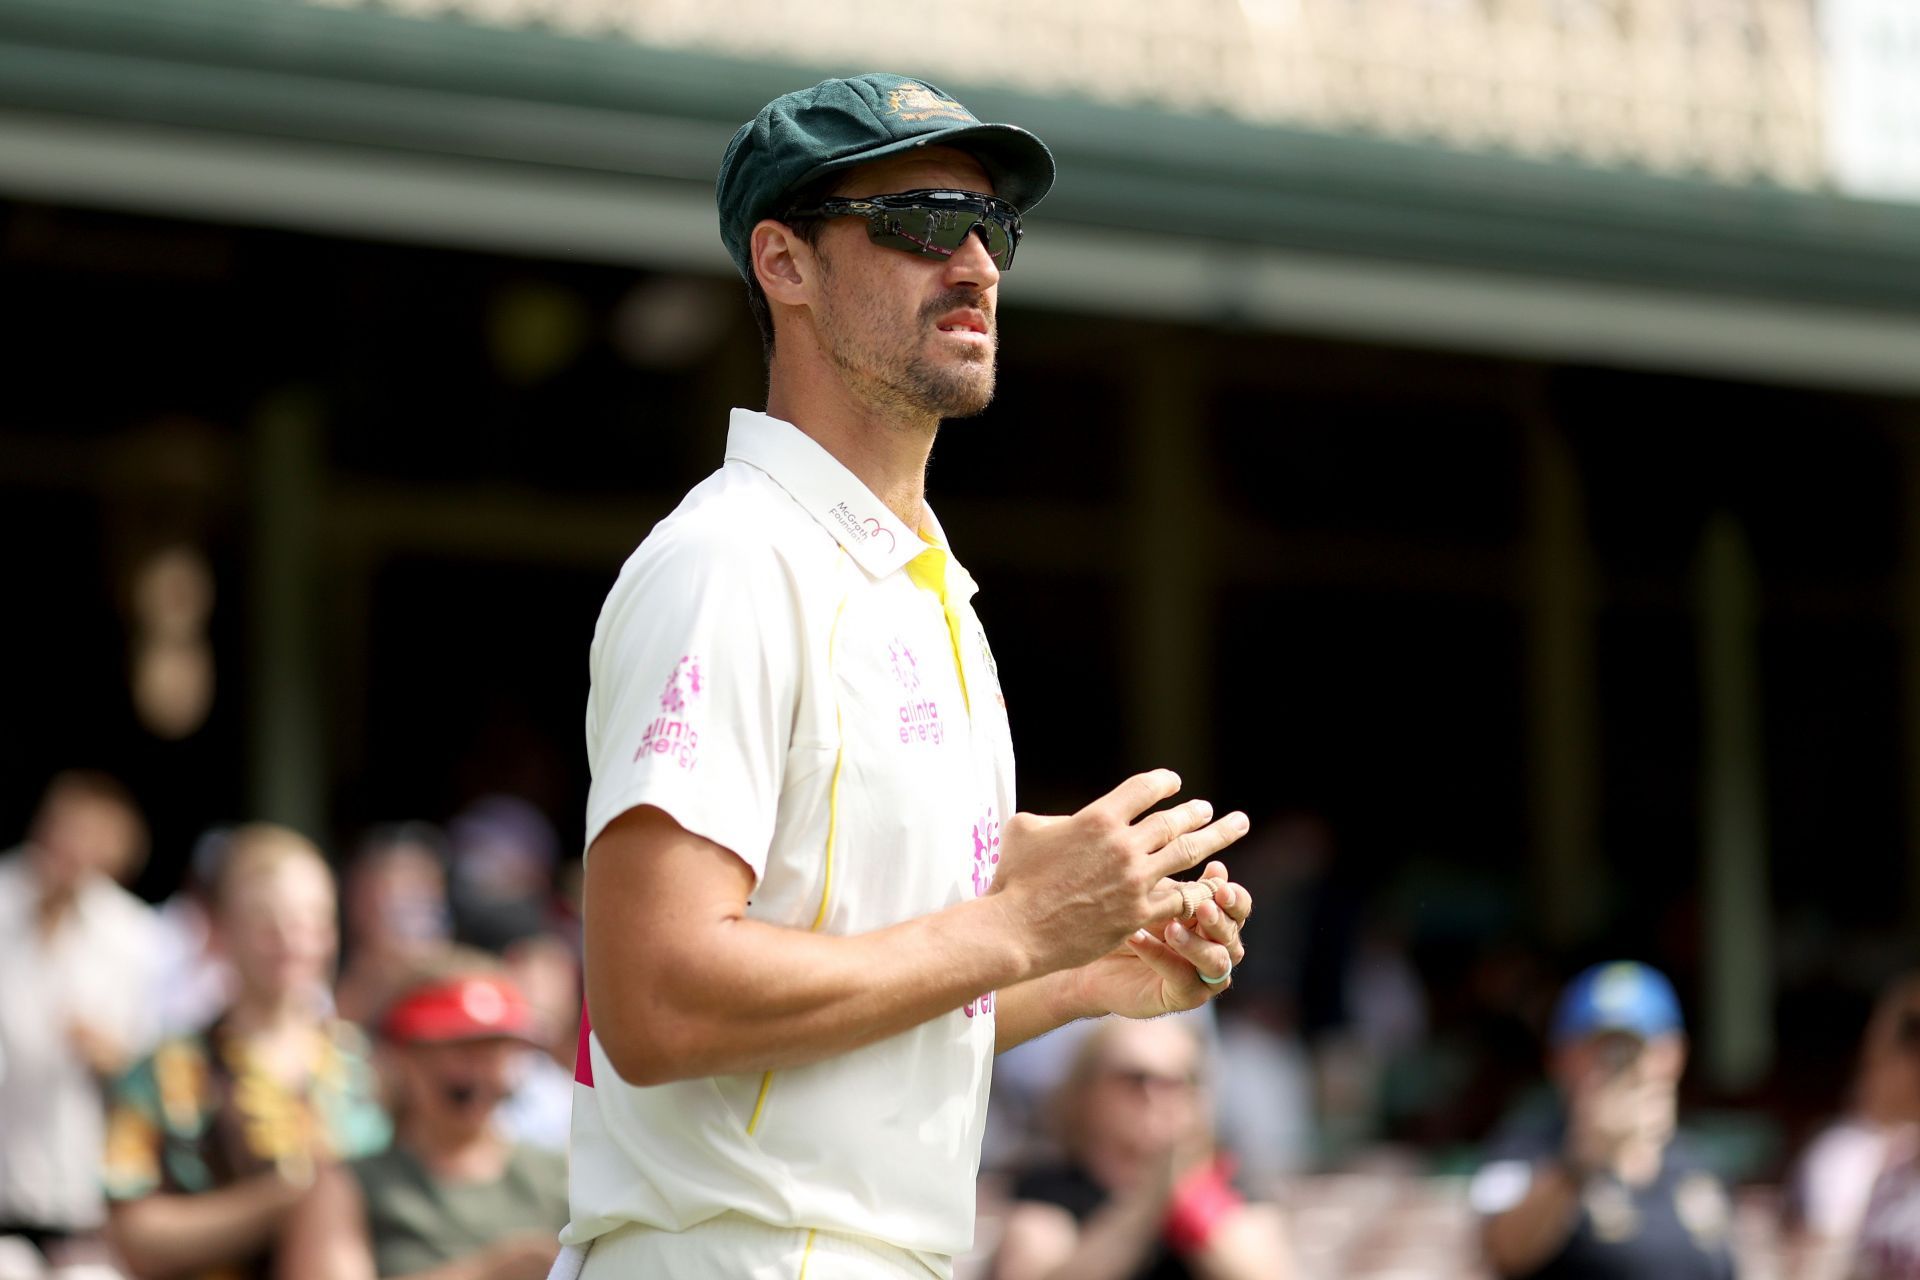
(837, 124)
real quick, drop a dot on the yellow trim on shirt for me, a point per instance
(928, 571)
(806, 1256)
(833, 831)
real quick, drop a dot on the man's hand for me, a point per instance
(1083, 884)
(101, 1052)
(1618, 1110)
(1147, 976)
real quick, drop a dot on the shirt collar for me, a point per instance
(877, 539)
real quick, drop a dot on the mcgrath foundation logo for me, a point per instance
(672, 735)
(860, 530)
(916, 102)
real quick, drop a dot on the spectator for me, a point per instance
(1889, 1239)
(540, 1111)
(192, 981)
(1141, 1192)
(397, 915)
(72, 1011)
(453, 1198)
(1603, 1188)
(504, 852)
(1832, 1183)
(214, 1139)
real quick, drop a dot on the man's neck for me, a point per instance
(887, 450)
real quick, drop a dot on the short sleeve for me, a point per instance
(1499, 1186)
(130, 1166)
(695, 679)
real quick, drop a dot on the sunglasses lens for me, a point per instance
(939, 233)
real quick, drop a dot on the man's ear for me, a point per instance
(782, 262)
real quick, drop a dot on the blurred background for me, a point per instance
(1480, 438)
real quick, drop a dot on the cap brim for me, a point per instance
(1017, 162)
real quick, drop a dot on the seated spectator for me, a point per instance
(1832, 1182)
(73, 1012)
(1888, 1247)
(1141, 1191)
(452, 1199)
(1602, 1188)
(546, 969)
(397, 916)
(214, 1139)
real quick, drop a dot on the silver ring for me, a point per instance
(1214, 982)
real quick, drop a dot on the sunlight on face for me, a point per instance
(277, 926)
(879, 311)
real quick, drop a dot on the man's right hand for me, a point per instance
(1082, 884)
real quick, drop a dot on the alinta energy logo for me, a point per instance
(919, 717)
(672, 733)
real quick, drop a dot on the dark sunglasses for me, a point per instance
(933, 224)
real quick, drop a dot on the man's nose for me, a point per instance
(971, 264)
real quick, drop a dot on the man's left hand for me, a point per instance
(1148, 976)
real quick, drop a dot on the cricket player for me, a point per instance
(812, 913)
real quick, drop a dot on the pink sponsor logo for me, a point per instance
(986, 851)
(986, 860)
(919, 717)
(858, 529)
(672, 734)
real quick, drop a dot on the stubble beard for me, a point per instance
(892, 370)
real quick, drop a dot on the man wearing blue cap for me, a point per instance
(1603, 1190)
(812, 913)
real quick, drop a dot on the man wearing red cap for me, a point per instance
(812, 912)
(452, 1199)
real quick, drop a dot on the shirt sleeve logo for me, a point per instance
(672, 734)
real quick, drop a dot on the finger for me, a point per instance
(1136, 795)
(1158, 830)
(1177, 899)
(1215, 925)
(1175, 973)
(1196, 847)
(1234, 898)
(1206, 957)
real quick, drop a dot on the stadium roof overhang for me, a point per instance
(359, 122)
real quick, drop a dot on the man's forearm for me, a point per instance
(1526, 1236)
(767, 997)
(168, 1235)
(1032, 1008)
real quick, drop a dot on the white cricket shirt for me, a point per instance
(775, 669)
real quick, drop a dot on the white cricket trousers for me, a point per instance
(733, 1247)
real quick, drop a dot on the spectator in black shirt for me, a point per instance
(1603, 1189)
(1141, 1194)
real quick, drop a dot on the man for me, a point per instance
(1604, 1190)
(73, 1013)
(812, 915)
(453, 1198)
(1886, 1245)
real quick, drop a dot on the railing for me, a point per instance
(1730, 90)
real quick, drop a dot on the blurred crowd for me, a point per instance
(291, 1071)
(280, 1073)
